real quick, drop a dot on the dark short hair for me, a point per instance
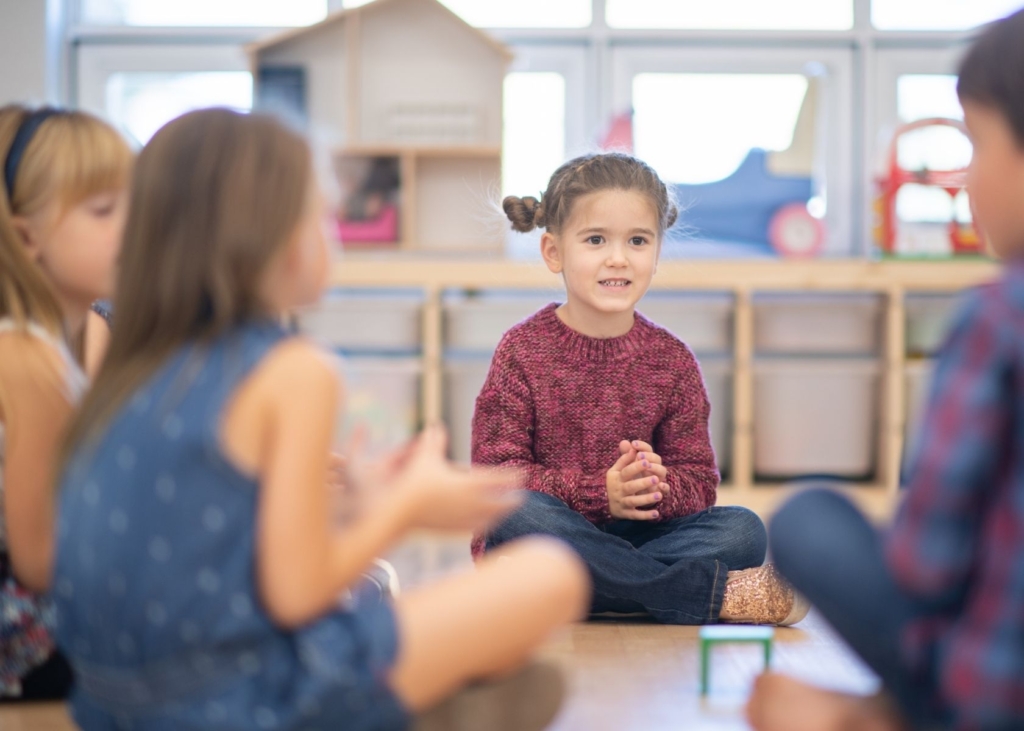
(992, 72)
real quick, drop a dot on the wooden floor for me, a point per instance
(632, 676)
(638, 676)
(623, 675)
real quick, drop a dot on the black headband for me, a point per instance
(29, 126)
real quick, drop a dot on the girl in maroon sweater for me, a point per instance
(606, 416)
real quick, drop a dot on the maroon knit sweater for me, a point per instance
(556, 404)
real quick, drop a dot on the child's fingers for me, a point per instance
(624, 447)
(635, 486)
(641, 500)
(663, 487)
(632, 471)
(633, 514)
(647, 456)
(624, 461)
(659, 471)
(641, 446)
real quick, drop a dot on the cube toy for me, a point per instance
(725, 634)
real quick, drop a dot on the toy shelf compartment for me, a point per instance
(884, 374)
(435, 182)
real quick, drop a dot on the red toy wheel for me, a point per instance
(795, 233)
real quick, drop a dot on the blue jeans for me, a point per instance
(833, 556)
(674, 570)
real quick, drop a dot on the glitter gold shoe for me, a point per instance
(761, 596)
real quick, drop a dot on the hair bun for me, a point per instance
(524, 213)
(671, 216)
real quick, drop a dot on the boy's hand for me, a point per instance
(630, 490)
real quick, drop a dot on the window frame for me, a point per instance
(591, 60)
(629, 61)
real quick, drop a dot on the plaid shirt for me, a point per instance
(957, 546)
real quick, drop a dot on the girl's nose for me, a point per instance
(616, 256)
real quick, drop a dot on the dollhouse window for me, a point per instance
(732, 14)
(140, 103)
(204, 12)
(938, 14)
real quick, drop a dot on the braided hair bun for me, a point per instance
(525, 214)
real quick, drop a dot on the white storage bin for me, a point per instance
(818, 324)
(477, 323)
(929, 317)
(382, 395)
(465, 378)
(702, 321)
(917, 390)
(365, 321)
(815, 418)
(718, 375)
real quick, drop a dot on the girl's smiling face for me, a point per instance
(607, 252)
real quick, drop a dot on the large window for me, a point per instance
(938, 14)
(142, 102)
(203, 12)
(738, 113)
(732, 14)
(769, 96)
(519, 14)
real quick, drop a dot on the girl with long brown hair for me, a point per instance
(198, 571)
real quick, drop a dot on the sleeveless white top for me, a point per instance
(75, 383)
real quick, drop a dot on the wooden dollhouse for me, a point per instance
(409, 97)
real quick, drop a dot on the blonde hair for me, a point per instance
(589, 174)
(72, 156)
(215, 196)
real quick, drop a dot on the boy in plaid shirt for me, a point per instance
(936, 606)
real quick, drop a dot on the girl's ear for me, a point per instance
(28, 236)
(549, 250)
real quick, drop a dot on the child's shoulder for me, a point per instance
(23, 353)
(663, 339)
(297, 360)
(1003, 296)
(525, 334)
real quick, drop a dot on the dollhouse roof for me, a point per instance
(344, 14)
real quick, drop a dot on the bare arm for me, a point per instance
(303, 561)
(35, 412)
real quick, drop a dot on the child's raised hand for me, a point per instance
(441, 496)
(630, 490)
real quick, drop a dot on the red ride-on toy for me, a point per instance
(963, 235)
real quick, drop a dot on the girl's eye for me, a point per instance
(595, 240)
(638, 241)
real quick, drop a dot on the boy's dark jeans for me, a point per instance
(823, 545)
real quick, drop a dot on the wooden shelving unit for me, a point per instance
(893, 280)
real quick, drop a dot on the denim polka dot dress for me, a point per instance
(155, 577)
